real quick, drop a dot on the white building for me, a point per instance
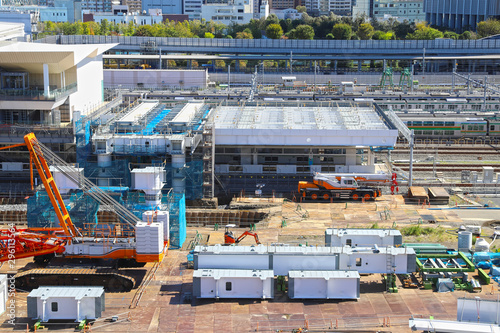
(125, 18)
(51, 83)
(401, 10)
(288, 13)
(323, 7)
(240, 12)
(192, 8)
(67, 303)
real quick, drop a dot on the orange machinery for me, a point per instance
(230, 238)
(68, 241)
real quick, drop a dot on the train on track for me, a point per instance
(453, 126)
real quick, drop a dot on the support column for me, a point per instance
(179, 177)
(359, 65)
(350, 156)
(46, 87)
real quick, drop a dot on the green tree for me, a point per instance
(365, 31)
(105, 27)
(271, 19)
(209, 35)
(451, 35)
(342, 31)
(143, 31)
(467, 35)
(274, 31)
(244, 35)
(380, 35)
(301, 9)
(302, 32)
(488, 28)
(220, 63)
(423, 31)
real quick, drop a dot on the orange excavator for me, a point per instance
(229, 237)
(125, 241)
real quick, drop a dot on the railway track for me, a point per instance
(447, 168)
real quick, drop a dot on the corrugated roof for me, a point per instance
(66, 291)
(324, 274)
(237, 273)
(295, 250)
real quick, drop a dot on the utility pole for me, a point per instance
(228, 77)
(291, 62)
(484, 97)
(423, 63)
(315, 75)
(410, 173)
(160, 57)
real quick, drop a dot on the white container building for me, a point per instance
(231, 257)
(233, 283)
(66, 303)
(283, 259)
(378, 260)
(362, 237)
(323, 284)
(286, 258)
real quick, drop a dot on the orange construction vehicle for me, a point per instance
(126, 241)
(229, 237)
(325, 187)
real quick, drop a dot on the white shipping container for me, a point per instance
(323, 284)
(233, 283)
(158, 216)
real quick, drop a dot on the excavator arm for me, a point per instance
(248, 233)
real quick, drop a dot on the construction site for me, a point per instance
(157, 214)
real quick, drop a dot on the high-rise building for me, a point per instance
(324, 7)
(134, 6)
(460, 15)
(192, 8)
(401, 10)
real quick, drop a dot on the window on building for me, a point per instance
(492, 127)
(358, 262)
(54, 306)
(348, 242)
(229, 286)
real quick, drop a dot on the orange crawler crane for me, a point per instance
(133, 246)
(326, 187)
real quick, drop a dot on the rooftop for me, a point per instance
(324, 274)
(306, 124)
(67, 291)
(219, 273)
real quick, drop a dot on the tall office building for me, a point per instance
(460, 15)
(401, 10)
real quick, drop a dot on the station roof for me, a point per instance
(300, 124)
(31, 56)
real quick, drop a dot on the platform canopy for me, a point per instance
(300, 124)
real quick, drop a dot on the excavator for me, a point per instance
(128, 241)
(230, 238)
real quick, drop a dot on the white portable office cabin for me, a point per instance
(323, 284)
(233, 283)
(68, 303)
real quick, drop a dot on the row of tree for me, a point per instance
(322, 27)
